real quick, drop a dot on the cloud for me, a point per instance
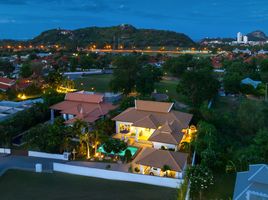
(7, 21)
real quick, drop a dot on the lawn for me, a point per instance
(23, 185)
(223, 188)
(96, 83)
(169, 87)
(100, 83)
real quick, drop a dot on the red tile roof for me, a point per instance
(4, 87)
(87, 98)
(87, 107)
(6, 80)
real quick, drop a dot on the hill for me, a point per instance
(257, 36)
(125, 35)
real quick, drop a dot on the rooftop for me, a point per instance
(158, 158)
(87, 107)
(147, 114)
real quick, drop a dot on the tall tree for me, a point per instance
(198, 86)
(26, 70)
(201, 179)
(178, 65)
(125, 74)
(146, 79)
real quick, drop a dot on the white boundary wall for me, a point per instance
(115, 175)
(5, 150)
(63, 156)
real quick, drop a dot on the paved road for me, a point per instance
(25, 163)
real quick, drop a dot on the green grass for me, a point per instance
(223, 188)
(101, 83)
(23, 185)
(169, 87)
(97, 83)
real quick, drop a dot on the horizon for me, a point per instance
(25, 19)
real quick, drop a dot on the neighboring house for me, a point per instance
(152, 162)
(247, 51)
(154, 123)
(249, 81)
(6, 83)
(83, 106)
(262, 52)
(252, 184)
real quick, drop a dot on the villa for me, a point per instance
(81, 105)
(155, 124)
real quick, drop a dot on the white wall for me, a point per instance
(5, 150)
(63, 156)
(120, 176)
(158, 145)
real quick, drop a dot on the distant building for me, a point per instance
(249, 81)
(6, 83)
(246, 51)
(262, 52)
(252, 184)
(9, 108)
(239, 37)
(245, 39)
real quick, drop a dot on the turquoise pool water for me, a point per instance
(133, 150)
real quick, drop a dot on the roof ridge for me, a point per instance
(252, 176)
(169, 152)
(148, 155)
(147, 117)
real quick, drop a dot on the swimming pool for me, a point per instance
(132, 150)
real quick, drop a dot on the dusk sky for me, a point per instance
(24, 19)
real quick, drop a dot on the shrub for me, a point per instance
(137, 169)
(108, 167)
(127, 156)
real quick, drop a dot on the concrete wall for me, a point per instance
(5, 150)
(115, 175)
(64, 156)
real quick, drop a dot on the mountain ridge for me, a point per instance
(125, 35)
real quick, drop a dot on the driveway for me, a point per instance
(25, 163)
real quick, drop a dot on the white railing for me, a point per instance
(5, 150)
(116, 175)
(64, 156)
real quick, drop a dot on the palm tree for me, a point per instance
(85, 137)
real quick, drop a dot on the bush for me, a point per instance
(137, 169)
(108, 167)
(127, 156)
